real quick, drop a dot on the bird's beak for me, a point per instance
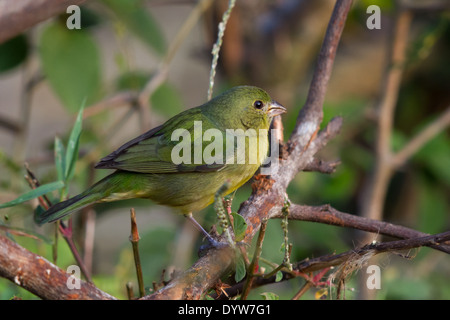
(275, 109)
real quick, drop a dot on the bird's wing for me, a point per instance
(151, 152)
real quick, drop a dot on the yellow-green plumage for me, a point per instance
(145, 168)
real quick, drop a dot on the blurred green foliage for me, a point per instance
(137, 19)
(71, 63)
(418, 196)
(13, 52)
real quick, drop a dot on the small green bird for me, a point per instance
(145, 166)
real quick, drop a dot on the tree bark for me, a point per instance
(16, 16)
(41, 277)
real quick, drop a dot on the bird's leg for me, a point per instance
(211, 240)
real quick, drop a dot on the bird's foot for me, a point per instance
(213, 243)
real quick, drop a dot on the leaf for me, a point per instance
(139, 21)
(278, 276)
(239, 226)
(72, 146)
(60, 161)
(240, 268)
(39, 191)
(71, 63)
(270, 296)
(13, 52)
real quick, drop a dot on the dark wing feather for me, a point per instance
(151, 151)
(109, 162)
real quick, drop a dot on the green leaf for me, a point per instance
(39, 191)
(71, 63)
(13, 52)
(278, 276)
(239, 226)
(60, 161)
(240, 268)
(270, 296)
(72, 145)
(138, 20)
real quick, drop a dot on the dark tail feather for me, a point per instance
(110, 188)
(67, 207)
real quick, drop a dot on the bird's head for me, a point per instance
(244, 107)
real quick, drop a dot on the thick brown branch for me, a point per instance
(40, 276)
(265, 204)
(194, 282)
(328, 215)
(18, 16)
(311, 114)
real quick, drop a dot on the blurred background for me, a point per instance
(160, 51)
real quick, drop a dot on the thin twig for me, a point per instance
(418, 141)
(321, 166)
(311, 281)
(10, 125)
(130, 292)
(216, 48)
(314, 264)
(284, 226)
(120, 99)
(324, 263)
(134, 239)
(308, 285)
(254, 263)
(375, 191)
(281, 266)
(89, 235)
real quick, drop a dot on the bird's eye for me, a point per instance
(258, 104)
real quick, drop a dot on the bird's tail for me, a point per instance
(64, 208)
(108, 189)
